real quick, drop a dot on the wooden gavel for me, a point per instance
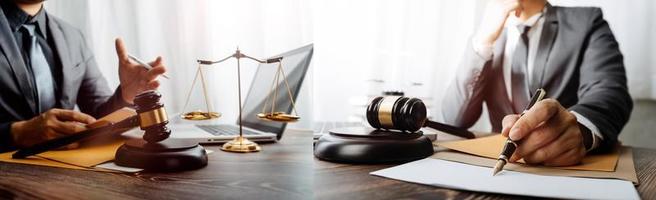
(406, 114)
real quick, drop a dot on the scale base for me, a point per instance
(241, 145)
(165, 156)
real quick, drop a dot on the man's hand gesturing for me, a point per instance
(134, 77)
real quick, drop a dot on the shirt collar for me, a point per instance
(514, 21)
(18, 17)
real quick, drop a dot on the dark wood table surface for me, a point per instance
(283, 170)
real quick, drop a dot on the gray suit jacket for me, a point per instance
(578, 63)
(81, 82)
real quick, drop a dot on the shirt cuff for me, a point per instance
(483, 50)
(597, 136)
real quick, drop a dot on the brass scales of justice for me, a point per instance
(269, 113)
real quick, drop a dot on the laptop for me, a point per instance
(295, 63)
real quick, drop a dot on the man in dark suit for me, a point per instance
(523, 45)
(46, 69)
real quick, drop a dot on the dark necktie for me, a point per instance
(520, 93)
(41, 70)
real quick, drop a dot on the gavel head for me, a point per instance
(152, 116)
(396, 112)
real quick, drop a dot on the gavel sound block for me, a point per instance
(368, 146)
(395, 136)
(155, 152)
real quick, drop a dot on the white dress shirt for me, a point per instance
(513, 34)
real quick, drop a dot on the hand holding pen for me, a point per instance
(545, 133)
(511, 144)
(135, 75)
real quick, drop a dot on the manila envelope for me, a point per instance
(491, 146)
(476, 152)
(90, 153)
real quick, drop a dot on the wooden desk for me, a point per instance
(281, 171)
(285, 170)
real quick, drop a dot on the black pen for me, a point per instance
(510, 146)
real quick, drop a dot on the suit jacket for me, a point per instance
(578, 63)
(81, 83)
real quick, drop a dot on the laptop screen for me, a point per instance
(295, 64)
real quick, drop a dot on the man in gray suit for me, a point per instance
(46, 68)
(523, 45)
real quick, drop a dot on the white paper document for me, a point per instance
(113, 166)
(455, 175)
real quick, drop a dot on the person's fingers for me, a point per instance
(554, 149)
(537, 139)
(507, 123)
(62, 121)
(540, 137)
(152, 85)
(541, 112)
(154, 72)
(158, 61)
(121, 52)
(98, 123)
(64, 128)
(571, 157)
(49, 134)
(519, 8)
(70, 115)
(53, 111)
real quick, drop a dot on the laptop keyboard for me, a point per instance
(223, 130)
(321, 127)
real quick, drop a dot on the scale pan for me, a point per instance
(199, 115)
(278, 117)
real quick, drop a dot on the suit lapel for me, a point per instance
(61, 47)
(549, 32)
(16, 63)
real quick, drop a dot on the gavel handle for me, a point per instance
(66, 140)
(460, 132)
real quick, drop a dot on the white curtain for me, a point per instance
(367, 47)
(362, 47)
(182, 31)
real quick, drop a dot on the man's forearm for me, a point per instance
(603, 96)
(463, 103)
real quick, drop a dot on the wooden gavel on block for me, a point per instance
(406, 114)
